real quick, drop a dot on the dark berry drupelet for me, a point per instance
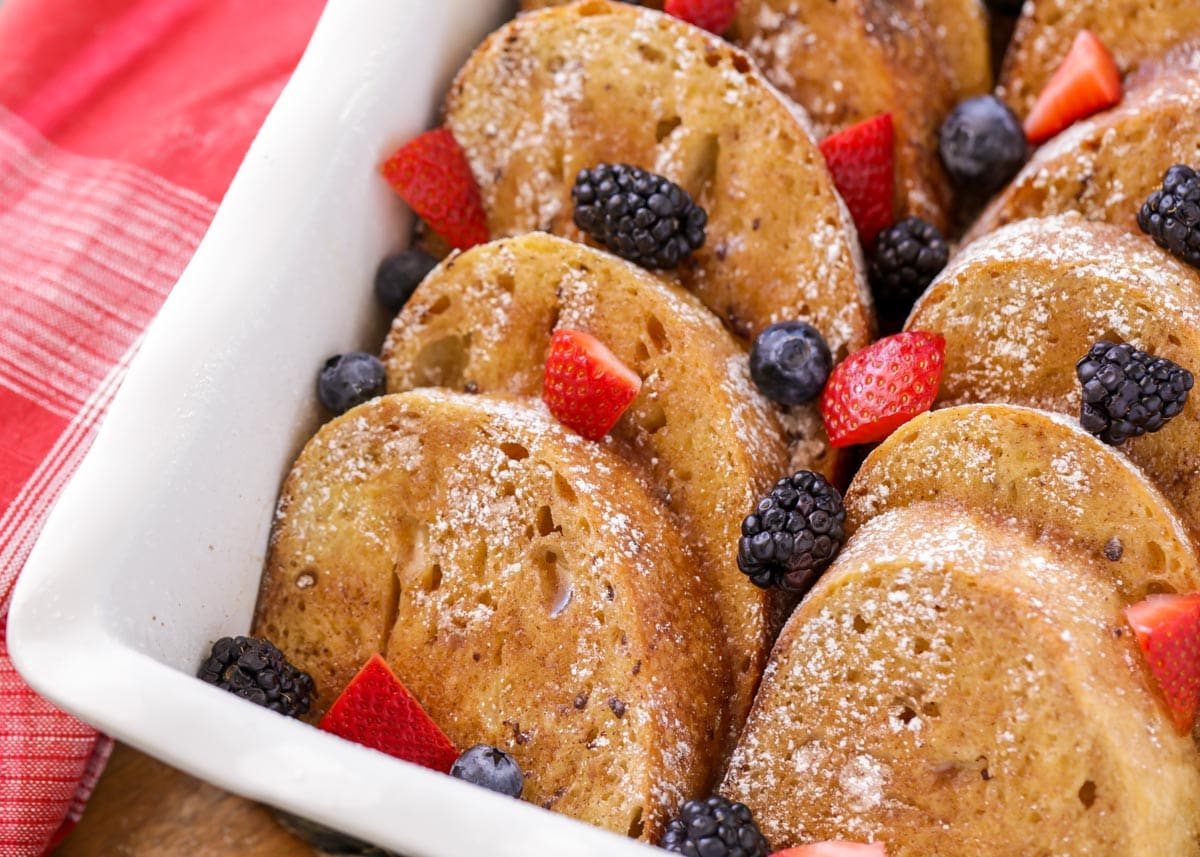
(906, 258)
(715, 828)
(398, 276)
(490, 767)
(790, 362)
(348, 380)
(1171, 216)
(255, 670)
(1127, 392)
(793, 533)
(638, 215)
(982, 144)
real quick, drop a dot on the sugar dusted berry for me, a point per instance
(490, 767)
(793, 533)
(348, 380)
(256, 670)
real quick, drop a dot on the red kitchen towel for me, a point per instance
(121, 125)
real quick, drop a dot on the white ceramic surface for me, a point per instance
(156, 546)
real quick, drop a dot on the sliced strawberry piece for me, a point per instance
(834, 849)
(377, 711)
(1168, 630)
(432, 175)
(876, 390)
(862, 161)
(586, 387)
(712, 15)
(1087, 81)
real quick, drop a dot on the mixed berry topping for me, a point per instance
(1086, 82)
(490, 767)
(982, 144)
(1168, 632)
(790, 362)
(398, 276)
(793, 533)
(638, 215)
(712, 15)
(862, 162)
(906, 258)
(1127, 392)
(715, 828)
(585, 386)
(348, 380)
(256, 670)
(1171, 215)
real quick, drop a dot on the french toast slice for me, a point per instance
(709, 442)
(1134, 31)
(849, 60)
(1041, 473)
(562, 89)
(524, 587)
(953, 687)
(1021, 306)
(1106, 166)
(961, 29)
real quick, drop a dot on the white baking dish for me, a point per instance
(156, 547)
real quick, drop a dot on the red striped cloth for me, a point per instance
(121, 124)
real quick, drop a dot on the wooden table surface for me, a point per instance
(143, 808)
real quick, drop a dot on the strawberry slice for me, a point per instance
(1087, 81)
(376, 710)
(585, 386)
(712, 15)
(876, 390)
(1168, 630)
(431, 174)
(834, 849)
(862, 161)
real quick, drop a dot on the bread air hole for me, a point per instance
(653, 418)
(441, 363)
(515, 451)
(1087, 794)
(665, 126)
(636, 824)
(657, 334)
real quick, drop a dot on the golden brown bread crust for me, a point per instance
(523, 586)
(952, 687)
(1038, 472)
(848, 60)
(1133, 31)
(1106, 166)
(550, 93)
(1019, 308)
(710, 443)
(961, 30)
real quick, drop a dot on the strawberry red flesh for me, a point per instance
(432, 175)
(1087, 81)
(1168, 630)
(834, 849)
(377, 711)
(712, 15)
(876, 390)
(862, 161)
(585, 386)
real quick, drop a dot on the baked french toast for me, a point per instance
(1104, 167)
(547, 95)
(1020, 307)
(709, 442)
(952, 686)
(523, 586)
(1133, 31)
(1038, 472)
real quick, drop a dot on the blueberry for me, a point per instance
(491, 768)
(790, 362)
(982, 144)
(347, 380)
(399, 275)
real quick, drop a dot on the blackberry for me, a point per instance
(981, 143)
(638, 215)
(348, 380)
(906, 258)
(790, 362)
(1171, 215)
(793, 533)
(255, 670)
(490, 767)
(1127, 392)
(398, 276)
(715, 828)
